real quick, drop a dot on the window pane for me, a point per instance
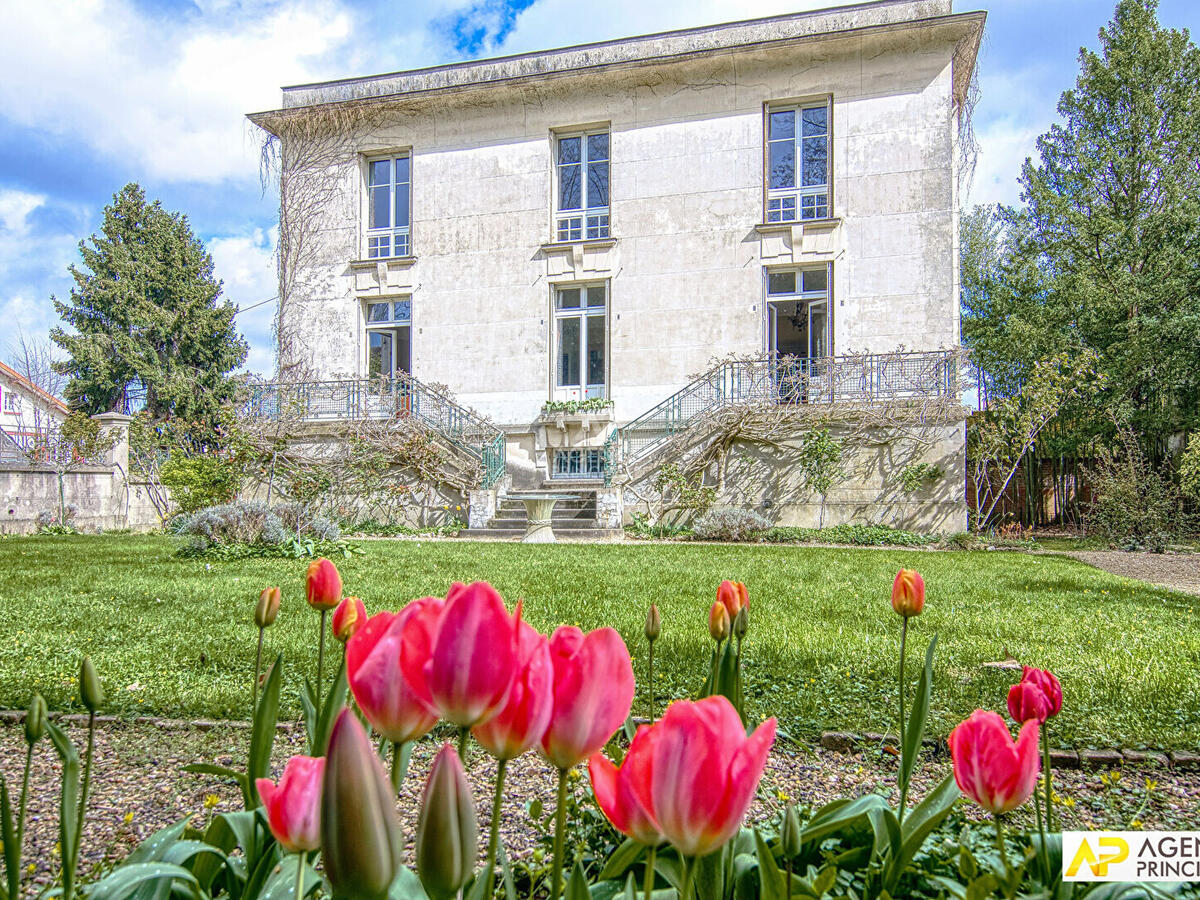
(402, 163)
(377, 312)
(781, 124)
(814, 280)
(595, 295)
(568, 352)
(814, 150)
(402, 310)
(401, 205)
(597, 193)
(597, 146)
(816, 121)
(818, 330)
(569, 188)
(380, 172)
(595, 350)
(379, 354)
(568, 150)
(378, 217)
(568, 298)
(781, 282)
(782, 165)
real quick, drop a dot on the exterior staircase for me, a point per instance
(572, 520)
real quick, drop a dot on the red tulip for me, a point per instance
(385, 666)
(989, 768)
(733, 596)
(324, 584)
(623, 794)
(908, 593)
(718, 621)
(593, 691)
(475, 657)
(704, 771)
(1027, 701)
(348, 618)
(294, 805)
(1044, 680)
(521, 722)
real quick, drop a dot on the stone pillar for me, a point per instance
(116, 426)
(481, 507)
(610, 508)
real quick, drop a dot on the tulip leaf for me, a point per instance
(621, 859)
(982, 887)
(577, 886)
(727, 676)
(153, 847)
(709, 878)
(282, 885)
(770, 877)
(843, 815)
(222, 772)
(8, 835)
(407, 886)
(68, 804)
(918, 825)
(510, 890)
(311, 705)
(914, 731)
(262, 734)
(335, 702)
(630, 888)
(128, 879)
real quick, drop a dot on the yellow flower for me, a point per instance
(1151, 784)
(128, 817)
(211, 800)
(1136, 823)
(782, 796)
(31, 868)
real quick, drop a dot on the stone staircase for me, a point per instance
(572, 520)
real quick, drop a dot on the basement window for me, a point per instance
(578, 464)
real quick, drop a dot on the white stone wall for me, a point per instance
(686, 267)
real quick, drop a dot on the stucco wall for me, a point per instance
(103, 500)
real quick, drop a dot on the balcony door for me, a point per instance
(580, 342)
(799, 331)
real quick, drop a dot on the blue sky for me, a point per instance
(96, 93)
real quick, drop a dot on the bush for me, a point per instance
(729, 523)
(1189, 469)
(857, 535)
(197, 482)
(1134, 506)
(248, 522)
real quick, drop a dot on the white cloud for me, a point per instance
(246, 264)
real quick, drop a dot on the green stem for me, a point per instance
(650, 679)
(560, 828)
(463, 732)
(299, 876)
(788, 884)
(902, 780)
(685, 890)
(257, 674)
(1003, 851)
(737, 677)
(24, 802)
(321, 659)
(1044, 855)
(83, 793)
(400, 757)
(1046, 776)
(649, 879)
(494, 830)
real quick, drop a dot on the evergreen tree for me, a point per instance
(145, 317)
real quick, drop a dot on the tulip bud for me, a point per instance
(324, 584)
(718, 622)
(360, 835)
(908, 593)
(653, 623)
(90, 689)
(447, 831)
(348, 618)
(35, 720)
(741, 622)
(268, 607)
(789, 835)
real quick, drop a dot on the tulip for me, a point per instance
(348, 618)
(324, 592)
(35, 728)
(593, 692)
(90, 689)
(92, 694)
(35, 720)
(733, 596)
(1027, 701)
(475, 656)
(361, 843)
(623, 794)
(993, 771)
(908, 593)
(718, 622)
(267, 608)
(294, 805)
(447, 830)
(652, 630)
(1043, 681)
(741, 623)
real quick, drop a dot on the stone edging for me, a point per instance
(845, 742)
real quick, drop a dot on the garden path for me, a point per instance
(1178, 571)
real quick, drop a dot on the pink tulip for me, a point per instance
(1027, 701)
(521, 722)
(908, 593)
(1045, 681)
(704, 771)
(593, 691)
(475, 657)
(385, 666)
(294, 806)
(989, 768)
(623, 794)
(324, 584)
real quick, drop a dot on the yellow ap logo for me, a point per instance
(1112, 850)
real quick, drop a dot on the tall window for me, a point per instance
(388, 338)
(798, 310)
(582, 186)
(389, 198)
(797, 163)
(580, 338)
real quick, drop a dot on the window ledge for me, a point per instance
(807, 224)
(386, 260)
(592, 244)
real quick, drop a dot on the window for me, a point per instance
(388, 338)
(580, 337)
(582, 175)
(389, 195)
(12, 402)
(797, 163)
(798, 308)
(578, 464)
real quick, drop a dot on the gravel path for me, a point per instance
(138, 787)
(1178, 571)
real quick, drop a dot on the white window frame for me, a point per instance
(12, 402)
(809, 298)
(393, 241)
(399, 317)
(584, 390)
(800, 202)
(582, 223)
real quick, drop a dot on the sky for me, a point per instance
(98, 93)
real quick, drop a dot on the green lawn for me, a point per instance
(175, 637)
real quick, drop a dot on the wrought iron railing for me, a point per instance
(401, 396)
(862, 379)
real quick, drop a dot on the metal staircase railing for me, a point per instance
(859, 379)
(401, 396)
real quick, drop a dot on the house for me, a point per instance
(26, 410)
(610, 252)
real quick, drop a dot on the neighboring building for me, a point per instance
(607, 221)
(26, 410)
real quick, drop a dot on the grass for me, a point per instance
(174, 636)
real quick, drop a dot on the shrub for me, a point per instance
(197, 482)
(250, 522)
(915, 476)
(1189, 469)
(857, 535)
(729, 523)
(1134, 506)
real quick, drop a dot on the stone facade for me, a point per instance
(686, 262)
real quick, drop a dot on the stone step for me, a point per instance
(564, 525)
(514, 534)
(556, 515)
